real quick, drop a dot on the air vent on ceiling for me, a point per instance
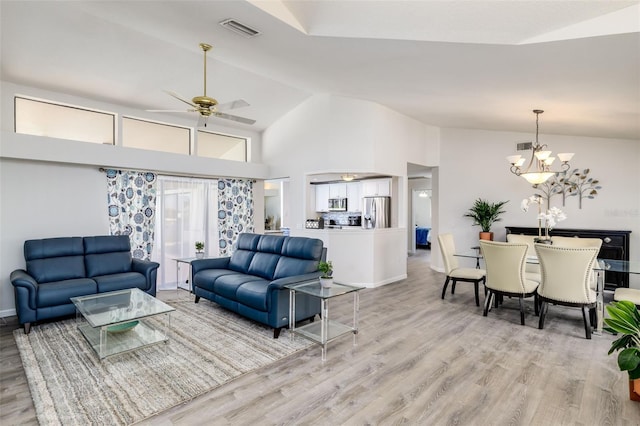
(524, 146)
(237, 27)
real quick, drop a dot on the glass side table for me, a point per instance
(187, 261)
(326, 330)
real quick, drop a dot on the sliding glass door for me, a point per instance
(186, 212)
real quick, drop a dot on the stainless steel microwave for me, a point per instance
(337, 204)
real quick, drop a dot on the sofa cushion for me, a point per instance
(207, 277)
(121, 281)
(241, 260)
(264, 265)
(247, 241)
(254, 295)
(54, 259)
(59, 293)
(108, 254)
(227, 285)
(302, 248)
(289, 266)
(270, 244)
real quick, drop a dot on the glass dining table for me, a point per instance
(603, 265)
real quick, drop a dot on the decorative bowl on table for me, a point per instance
(121, 328)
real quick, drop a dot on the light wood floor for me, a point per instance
(419, 360)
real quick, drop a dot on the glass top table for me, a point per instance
(119, 321)
(601, 266)
(328, 329)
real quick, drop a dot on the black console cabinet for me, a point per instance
(615, 245)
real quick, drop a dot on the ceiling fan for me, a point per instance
(206, 106)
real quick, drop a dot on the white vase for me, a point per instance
(326, 282)
(199, 255)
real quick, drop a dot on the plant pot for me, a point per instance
(199, 255)
(486, 236)
(634, 390)
(326, 282)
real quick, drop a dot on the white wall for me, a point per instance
(336, 134)
(473, 165)
(53, 187)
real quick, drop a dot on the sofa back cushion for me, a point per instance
(246, 246)
(264, 265)
(271, 243)
(54, 259)
(107, 254)
(300, 255)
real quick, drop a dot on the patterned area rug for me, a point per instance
(208, 347)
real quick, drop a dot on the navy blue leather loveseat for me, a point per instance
(251, 282)
(60, 268)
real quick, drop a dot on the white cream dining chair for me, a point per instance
(566, 280)
(454, 272)
(505, 264)
(577, 242)
(532, 270)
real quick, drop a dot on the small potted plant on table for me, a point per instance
(485, 214)
(625, 320)
(199, 249)
(326, 279)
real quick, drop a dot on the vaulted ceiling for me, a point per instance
(466, 64)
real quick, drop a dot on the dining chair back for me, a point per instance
(576, 242)
(454, 272)
(532, 270)
(566, 280)
(505, 265)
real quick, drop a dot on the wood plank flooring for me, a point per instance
(419, 360)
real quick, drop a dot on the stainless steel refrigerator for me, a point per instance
(376, 212)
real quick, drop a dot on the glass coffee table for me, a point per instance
(118, 321)
(326, 330)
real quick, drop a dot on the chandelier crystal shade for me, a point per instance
(538, 169)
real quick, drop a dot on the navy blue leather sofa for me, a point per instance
(251, 282)
(60, 268)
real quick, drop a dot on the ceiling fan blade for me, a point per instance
(168, 110)
(238, 103)
(234, 118)
(180, 98)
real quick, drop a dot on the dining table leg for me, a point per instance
(599, 301)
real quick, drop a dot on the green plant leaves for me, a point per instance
(625, 319)
(485, 213)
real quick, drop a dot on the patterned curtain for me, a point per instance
(235, 211)
(132, 207)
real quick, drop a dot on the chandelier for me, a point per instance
(348, 177)
(539, 168)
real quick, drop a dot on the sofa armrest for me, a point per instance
(149, 270)
(281, 282)
(215, 263)
(143, 266)
(20, 278)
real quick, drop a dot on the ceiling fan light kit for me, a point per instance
(207, 106)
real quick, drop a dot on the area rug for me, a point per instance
(208, 347)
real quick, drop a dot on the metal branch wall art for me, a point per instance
(576, 183)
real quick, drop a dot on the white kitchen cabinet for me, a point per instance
(373, 187)
(322, 198)
(354, 196)
(338, 190)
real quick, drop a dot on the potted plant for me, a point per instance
(485, 214)
(625, 321)
(326, 279)
(199, 249)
